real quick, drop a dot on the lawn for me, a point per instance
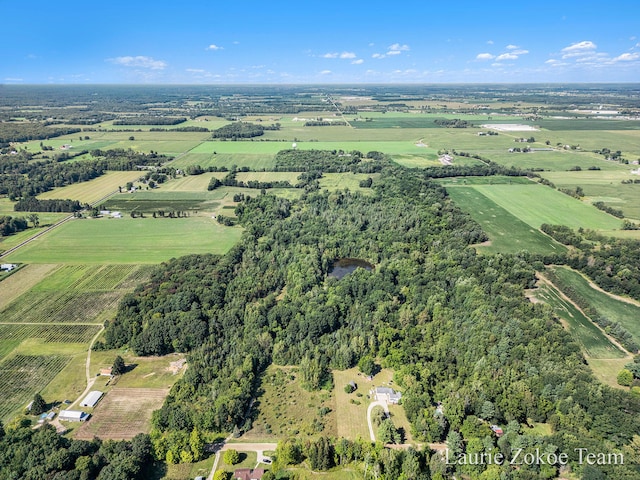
(507, 233)
(536, 204)
(624, 313)
(351, 408)
(93, 190)
(128, 240)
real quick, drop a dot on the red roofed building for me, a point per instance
(248, 474)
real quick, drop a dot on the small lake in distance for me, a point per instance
(345, 266)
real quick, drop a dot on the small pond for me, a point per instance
(345, 266)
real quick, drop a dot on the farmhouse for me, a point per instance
(497, 430)
(248, 474)
(91, 399)
(72, 416)
(387, 394)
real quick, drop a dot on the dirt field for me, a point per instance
(123, 413)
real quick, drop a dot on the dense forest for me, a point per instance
(456, 328)
(23, 132)
(30, 454)
(238, 130)
(149, 120)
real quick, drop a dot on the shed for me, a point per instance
(91, 399)
(72, 416)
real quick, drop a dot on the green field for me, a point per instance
(592, 340)
(93, 190)
(626, 314)
(128, 241)
(507, 233)
(536, 204)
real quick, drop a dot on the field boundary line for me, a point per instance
(90, 380)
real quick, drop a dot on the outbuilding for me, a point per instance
(91, 399)
(73, 416)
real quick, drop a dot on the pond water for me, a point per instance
(345, 266)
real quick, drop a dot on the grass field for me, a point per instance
(626, 314)
(184, 471)
(351, 408)
(591, 339)
(122, 414)
(338, 181)
(507, 233)
(93, 190)
(286, 409)
(536, 204)
(128, 241)
(21, 281)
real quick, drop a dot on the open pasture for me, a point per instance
(351, 408)
(507, 233)
(340, 181)
(190, 183)
(122, 414)
(536, 204)
(128, 241)
(555, 161)
(291, 177)
(93, 190)
(286, 409)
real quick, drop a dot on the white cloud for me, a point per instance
(213, 46)
(512, 47)
(396, 47)
(359, 61)
(195, 70)
(520, 51)
(378, 55)
(489, 42)
(627, 57)
(506, 56)
(330, 55)
(347, 55)
(577, 49)
(394, 52)
(13, 79)
(485, 56)
(326, 72)
(139, 62)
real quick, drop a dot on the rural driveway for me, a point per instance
(372, 405)
(259, 448)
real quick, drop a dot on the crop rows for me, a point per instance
(65, 307)
(49, 333)
(22, 375)
(107, 277)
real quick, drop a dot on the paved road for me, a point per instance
(372, 405)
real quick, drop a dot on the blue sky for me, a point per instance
(198, 42)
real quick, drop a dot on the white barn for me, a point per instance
(72, 416)
(91, 399)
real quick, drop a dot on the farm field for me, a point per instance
(21, 281)
(626, 314)
(507, 233)
(338, 181)
(537, 204)
(48, 325)
(128, 241)
(93, 190)
(122, 414)
(592, 340)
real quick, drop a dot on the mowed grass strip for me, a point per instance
(22, 281)
(128, 241)
(592, 340)
(508, 234)
(536, 204)
(626, 314)
(93, 190)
